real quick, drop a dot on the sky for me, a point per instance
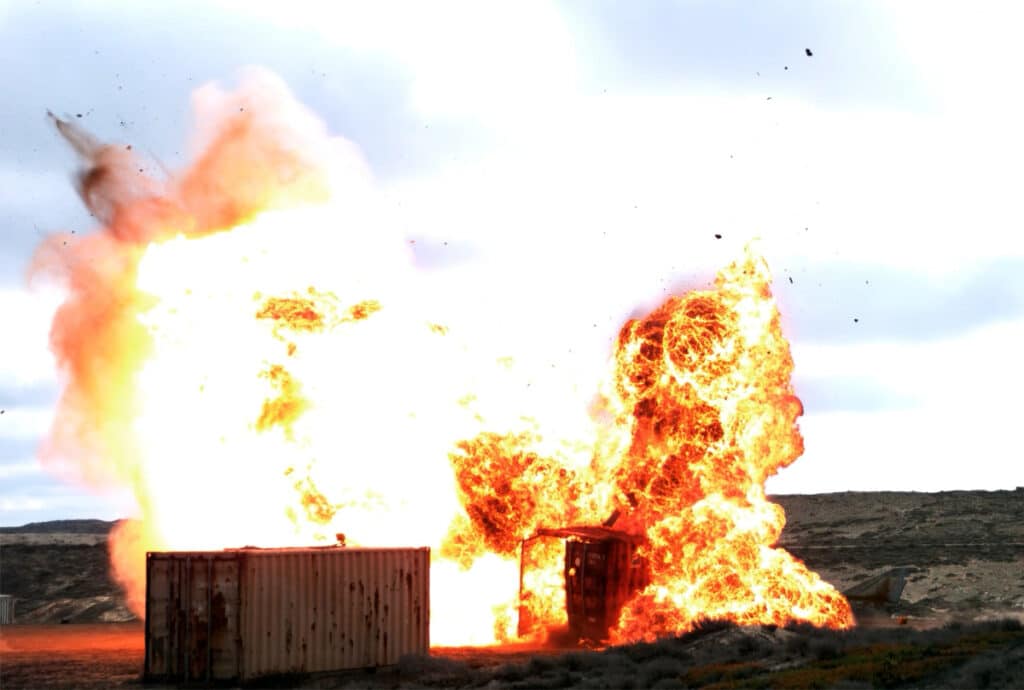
(576, 162)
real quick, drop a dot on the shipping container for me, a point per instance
(239, 614)
(6, 609)
(601, 575)
(603, 571)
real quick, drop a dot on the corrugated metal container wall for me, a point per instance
(6, 609)
(247, 613)
(355, 608)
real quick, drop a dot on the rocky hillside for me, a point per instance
(962, 554)
(58, 572)
(63, 527)
(963, 551)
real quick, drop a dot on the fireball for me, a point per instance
(245, 346)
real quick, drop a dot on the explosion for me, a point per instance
(701, 411)
(243, 345)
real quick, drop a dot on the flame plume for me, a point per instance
(704, 388)
(702, 411)
(243, 344)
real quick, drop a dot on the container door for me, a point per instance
(160, 647)
(595, 590)
(191, 618)
(586, 565)
(211, 618)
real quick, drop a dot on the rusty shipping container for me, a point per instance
(240, 614)
(603, 571)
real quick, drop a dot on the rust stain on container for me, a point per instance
(245, 613)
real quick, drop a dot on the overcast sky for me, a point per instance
(599, 148)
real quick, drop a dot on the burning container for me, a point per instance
(243, 613)
(602, 572)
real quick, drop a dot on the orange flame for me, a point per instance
(701, 412)
(182, 310)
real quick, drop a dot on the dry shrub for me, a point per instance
(661, 668)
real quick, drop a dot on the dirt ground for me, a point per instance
(990, 655)
(98, 655)
(963, 552)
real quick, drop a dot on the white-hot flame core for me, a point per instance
(386, 397)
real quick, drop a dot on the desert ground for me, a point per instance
(957, 622)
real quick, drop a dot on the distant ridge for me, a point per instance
(66, 526)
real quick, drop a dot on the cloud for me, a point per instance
(738, 46)
(847, 393)
(464, 60)
(19, 469)
(430, 254)
(931, 448)
(959, 433)
(26, 188)
(979, 365)
(40, 394)
(54, 500)
(19, 423)
(11, 506)
(33, 205)
(974, 78)
(33, 494)
(650, 177)
(25, 359)
(833, 302)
